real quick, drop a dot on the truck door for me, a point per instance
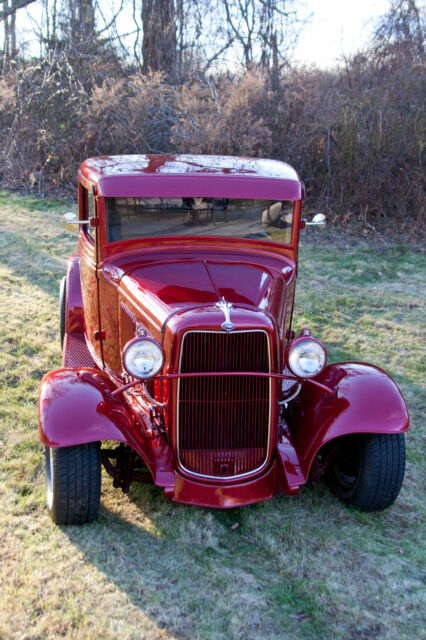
(88, 250)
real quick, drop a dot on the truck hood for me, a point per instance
(171, 286)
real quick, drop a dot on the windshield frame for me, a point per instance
(131, 218)
(108, 250)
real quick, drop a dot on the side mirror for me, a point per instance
(318, 220)
(70, 221)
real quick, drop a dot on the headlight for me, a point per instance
(143, 357)
(306, 357)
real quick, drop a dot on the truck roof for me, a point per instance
(186, 175)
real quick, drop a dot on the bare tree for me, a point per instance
(79, 24)
(11, 6)
(6, 26)
(262, 29)
(401, 32)
(191, 17)
(8, 16)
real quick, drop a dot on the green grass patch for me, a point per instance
(305, 567)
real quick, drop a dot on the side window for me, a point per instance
(90, 214)
(87, 210)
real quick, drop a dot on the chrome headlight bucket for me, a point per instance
(306, 357)
(143, 357)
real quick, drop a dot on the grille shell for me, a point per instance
(223, 422)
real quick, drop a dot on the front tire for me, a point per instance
(368, 471)
(73, 483)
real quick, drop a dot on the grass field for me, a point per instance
(305, 567)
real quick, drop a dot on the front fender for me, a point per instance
(367, 400)
(75, 407)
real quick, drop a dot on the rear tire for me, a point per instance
(73, 483)
(369, 470)
(62, 301)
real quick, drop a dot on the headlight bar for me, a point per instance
(252, 374)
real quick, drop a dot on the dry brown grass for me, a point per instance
(294, 568)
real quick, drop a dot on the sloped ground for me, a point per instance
(294, 568)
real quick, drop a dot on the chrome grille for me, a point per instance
(223, 421)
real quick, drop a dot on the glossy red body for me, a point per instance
(168, 288)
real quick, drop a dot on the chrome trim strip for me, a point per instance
(284, 403)
(151, 399)
(241, 475)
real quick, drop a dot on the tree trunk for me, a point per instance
(82, 30)
(159, 36)
(13, 49)
(6, 46)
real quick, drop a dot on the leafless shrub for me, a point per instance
(356, 135)
(226, 118)
(44, 125)
(130, 115)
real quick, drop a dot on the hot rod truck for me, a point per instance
(180, 364)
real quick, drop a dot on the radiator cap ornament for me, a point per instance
(226, 308)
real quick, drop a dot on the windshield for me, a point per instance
(131, 218)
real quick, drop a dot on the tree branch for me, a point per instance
(17, 4)
(217, 54)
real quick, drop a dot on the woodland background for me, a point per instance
(217, 77)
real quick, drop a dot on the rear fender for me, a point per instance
(367, 400)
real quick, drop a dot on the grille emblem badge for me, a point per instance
(226, 308)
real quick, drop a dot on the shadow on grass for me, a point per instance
(280, 574)
(196, 583)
